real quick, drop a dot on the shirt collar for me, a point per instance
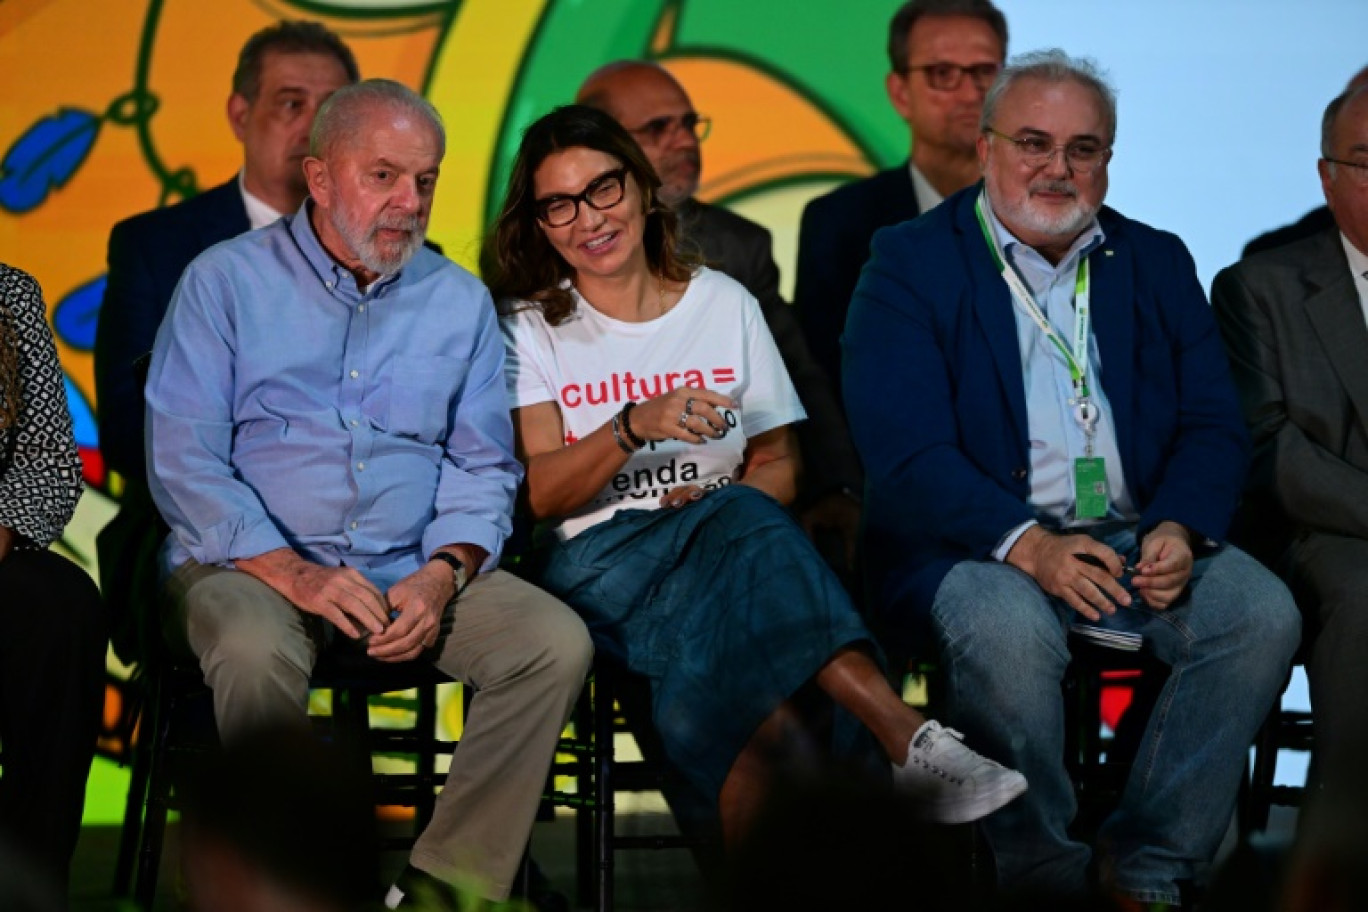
(927, 196)
(1358, 260)
(1091, 238)
(259, 212)
(328, 270)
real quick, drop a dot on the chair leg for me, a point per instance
(1256, 797)
(131, 830)
(425, 726)
(584, 790)
(158, 794)
(351, 726)
(603, 790)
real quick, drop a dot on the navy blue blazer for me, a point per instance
(833, 244)
(147, 254)
(937, 403)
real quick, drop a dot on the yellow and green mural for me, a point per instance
(110, 108)
(115, 107)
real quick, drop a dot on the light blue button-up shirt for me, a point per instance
(288, 408)
(1056, 439)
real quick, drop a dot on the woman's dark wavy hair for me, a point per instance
(518, 261)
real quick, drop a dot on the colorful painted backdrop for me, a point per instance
(112, 107)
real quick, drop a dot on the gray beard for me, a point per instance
(1065, 225)
(363, 243)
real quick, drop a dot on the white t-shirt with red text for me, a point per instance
(591, 365)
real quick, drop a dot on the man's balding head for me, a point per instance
(652, 106)
(1344, 163)
(1359, 81)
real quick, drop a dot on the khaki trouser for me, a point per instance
(524, 652)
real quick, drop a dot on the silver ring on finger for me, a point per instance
(688, 406)
(684, 419)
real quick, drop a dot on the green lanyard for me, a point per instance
(1085, 412)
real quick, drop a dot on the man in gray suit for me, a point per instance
(655, 109)
(1295, 323)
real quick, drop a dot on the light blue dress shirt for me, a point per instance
(288, 408)
(1056, 439)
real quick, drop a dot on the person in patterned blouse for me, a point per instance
(52, 650)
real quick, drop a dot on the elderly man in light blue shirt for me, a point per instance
(329, 440)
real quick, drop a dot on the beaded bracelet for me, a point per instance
(627, 425)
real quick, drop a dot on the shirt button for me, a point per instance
(360, 308)
(360, 467)
(1019, 474)
(353, 525)
(354, 422)
(327, 284)
(355, 374)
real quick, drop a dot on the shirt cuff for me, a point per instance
(1005, 546)
(459, 529)
(235, 540)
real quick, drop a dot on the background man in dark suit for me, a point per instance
(283, 74)
(1012, 485)
(1294, 325)
(943, 56)
(1315, 221)
(656, 110)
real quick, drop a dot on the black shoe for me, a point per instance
(540, 892)
(420, 891)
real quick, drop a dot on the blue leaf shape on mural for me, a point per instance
(45, 157)
(75, 316)
(82, 416)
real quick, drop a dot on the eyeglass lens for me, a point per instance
(946, 77)
(603, 192)
(658, 128)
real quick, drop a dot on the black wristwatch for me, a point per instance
(459, 574)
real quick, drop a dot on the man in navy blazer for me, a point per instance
(1002, 459)
(284, 73)
(943, 55)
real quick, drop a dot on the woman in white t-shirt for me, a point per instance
(652, 411)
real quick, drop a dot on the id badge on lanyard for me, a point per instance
(1091, 497)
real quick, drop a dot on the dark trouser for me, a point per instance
(52, 665)
(1330, 572)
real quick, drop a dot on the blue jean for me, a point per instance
(1004, 648)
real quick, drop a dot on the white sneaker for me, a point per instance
(949, 782)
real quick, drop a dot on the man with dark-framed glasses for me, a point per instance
(1295, 323)
(943, 55)
(652, 106)
(1054, 452)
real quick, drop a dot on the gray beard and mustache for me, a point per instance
(376, 256)
(674, 191)
(1067, 224)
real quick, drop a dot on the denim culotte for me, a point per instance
(723, 604)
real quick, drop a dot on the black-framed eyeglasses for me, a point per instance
(1082, 155)
(603, 192)
(657, 129)
(1360, 172)
(946, 76)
